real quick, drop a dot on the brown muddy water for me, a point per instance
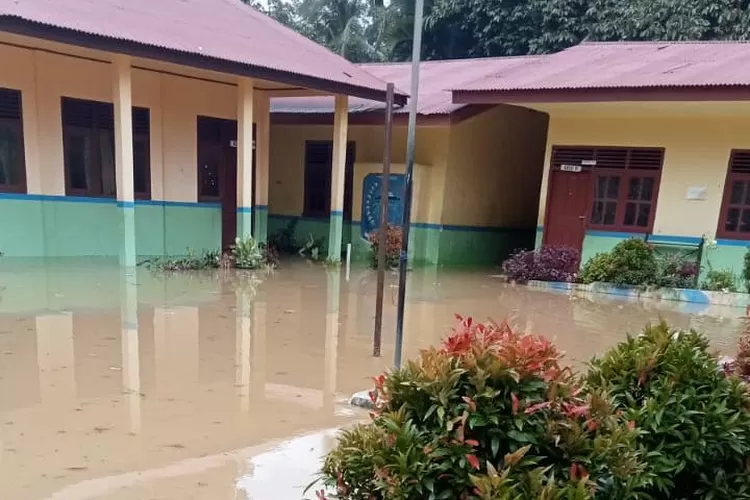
(227, 385)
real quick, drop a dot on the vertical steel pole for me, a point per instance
(410, 138)
(382, 234)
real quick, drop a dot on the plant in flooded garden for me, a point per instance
(676, 271)
(693, 422)
(746, 270)
(490, 414)
(312, 249)
(247, 254)
(631, 262)
(719, 280)
(284, 241)
(192, 261)
(549, 263)
(394, 237)
(596, 269)
(740, 365)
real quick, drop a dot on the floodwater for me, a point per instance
(230, 385)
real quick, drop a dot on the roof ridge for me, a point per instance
(663, 42)
(447, 61)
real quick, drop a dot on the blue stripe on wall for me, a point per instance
(245, 210)
(681, 240)
(615, 234)
(732, 243)
(105, 201)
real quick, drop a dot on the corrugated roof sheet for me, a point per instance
(222, 29)
(435, 78)
(627, 65)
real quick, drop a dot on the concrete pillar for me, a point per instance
(244, 158)
(338, 170)
(123, 104)
(262, 162)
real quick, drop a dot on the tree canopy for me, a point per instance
(370, 30)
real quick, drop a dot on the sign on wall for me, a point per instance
(371, 195)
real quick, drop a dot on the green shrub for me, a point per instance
(746, 270)
(676, 271)
(491, 414)
(597, 269)
(192, 261)
(719, 280)
(312, 249)
(693, 422)
(631, 262)
(247, 254)
(284, 241)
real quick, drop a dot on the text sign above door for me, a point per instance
(570, 168)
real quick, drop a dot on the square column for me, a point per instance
(340, 125)
(123, 108)
(244, 158)
(262, 161)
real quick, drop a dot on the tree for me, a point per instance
(365, 30)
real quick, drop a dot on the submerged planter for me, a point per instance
(730, 299)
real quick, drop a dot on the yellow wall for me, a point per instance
(697, 154)
(495, 169)
(286, 190)
(174, 103)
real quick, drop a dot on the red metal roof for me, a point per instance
(223, 31)
(435, 77)
(622, 65)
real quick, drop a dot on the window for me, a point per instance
(89, 149)
(734, 222)
(12, 163)
(625, 183)
(318, 167)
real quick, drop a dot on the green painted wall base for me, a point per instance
(58, 226)
(127, 235)
(244, 222)
(429, 244)
(260, 228)
(335, 234)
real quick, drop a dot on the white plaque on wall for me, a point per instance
(696, 193)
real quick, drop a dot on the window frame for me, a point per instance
(726, 198)
(21, 186)
(94, 133)
(351, 159)
(625, 174)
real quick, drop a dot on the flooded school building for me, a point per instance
(121, 139)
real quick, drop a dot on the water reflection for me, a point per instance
(104, 372)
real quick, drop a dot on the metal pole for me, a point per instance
(410, 137)
(348, 260)
(382, 233)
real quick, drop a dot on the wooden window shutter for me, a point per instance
(10, 104)
(740, 162)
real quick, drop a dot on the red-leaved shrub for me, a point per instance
(549, 263)
(393, 240)
(489, 414)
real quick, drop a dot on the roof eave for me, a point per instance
(21, 26)
(583, 95)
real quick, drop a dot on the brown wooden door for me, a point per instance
(217, 171)
(567, 209)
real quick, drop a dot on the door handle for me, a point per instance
(582, 217)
